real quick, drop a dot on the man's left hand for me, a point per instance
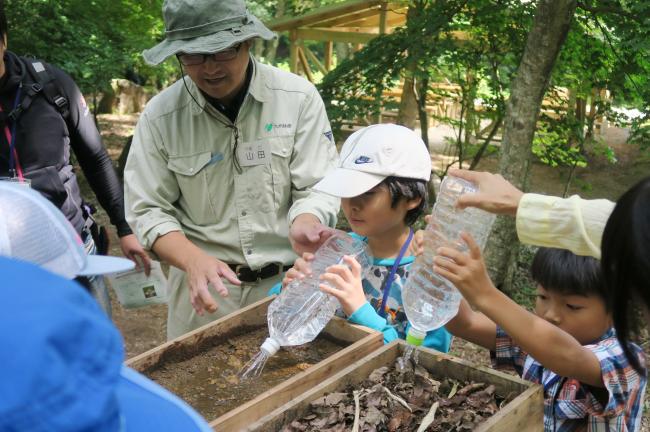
(307, 233)
(131, 248)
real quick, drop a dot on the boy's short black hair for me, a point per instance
(408, 188)
(562, 271)
(3, 21)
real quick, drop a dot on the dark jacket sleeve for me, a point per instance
(92, 156)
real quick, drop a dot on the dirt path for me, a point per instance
(144, 328)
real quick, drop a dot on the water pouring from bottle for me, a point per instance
(302, 310)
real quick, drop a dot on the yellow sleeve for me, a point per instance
(570, 223)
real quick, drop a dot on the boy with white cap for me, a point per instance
(65, 369)
(382, 182)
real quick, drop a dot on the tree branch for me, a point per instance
(607, 10)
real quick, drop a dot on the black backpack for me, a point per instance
(43, 83)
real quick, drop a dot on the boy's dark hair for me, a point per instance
(626, 260)
(564, 272)
(408, 188)
(3, 21)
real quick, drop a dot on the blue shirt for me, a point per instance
(396, 324)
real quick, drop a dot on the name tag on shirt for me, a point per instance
(252, 154)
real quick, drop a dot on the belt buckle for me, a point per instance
(238, 272)
(280, 267)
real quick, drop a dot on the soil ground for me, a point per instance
(208, 381)
(144, 328)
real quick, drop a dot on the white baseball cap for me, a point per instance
(32, 229)
(373, 153)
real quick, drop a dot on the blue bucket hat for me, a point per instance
(205, 26)
(63, 365)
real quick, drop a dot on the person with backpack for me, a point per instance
(43, 116)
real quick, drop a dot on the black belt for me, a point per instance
(246, 274)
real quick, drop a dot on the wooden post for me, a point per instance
(311, 56)
(382, 17)
(382, 31)
(305, 64)
(329, 47)
(293, 51)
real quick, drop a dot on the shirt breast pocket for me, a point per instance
(281, 149)
(191, 177)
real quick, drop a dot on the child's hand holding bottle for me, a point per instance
(344, 283)
(301, 269)
(466, 270)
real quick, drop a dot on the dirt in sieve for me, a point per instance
(208, 380)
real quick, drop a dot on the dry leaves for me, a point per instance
(395, 401)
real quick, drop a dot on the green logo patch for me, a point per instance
(268, 127)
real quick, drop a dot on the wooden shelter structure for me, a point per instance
(352, 21)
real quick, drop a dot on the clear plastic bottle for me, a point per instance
(430, 300)
(302, 310)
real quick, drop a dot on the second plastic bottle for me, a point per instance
(430, 300)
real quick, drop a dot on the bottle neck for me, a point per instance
(415, 336)
(270, 346)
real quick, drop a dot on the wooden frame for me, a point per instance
(524, 413)
(361, 339)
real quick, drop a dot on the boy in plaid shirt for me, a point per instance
(568, 346)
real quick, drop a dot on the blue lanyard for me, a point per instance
(12, 143)
(388, 282)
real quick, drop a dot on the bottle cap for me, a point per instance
(270, 346)
(415, 336)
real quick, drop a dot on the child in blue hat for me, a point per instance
(63, 366)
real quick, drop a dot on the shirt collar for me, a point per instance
(256, 89)
(610, 333)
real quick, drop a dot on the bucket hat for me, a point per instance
(205, 26)
(33, 229)
(64, 372)
(373, 153)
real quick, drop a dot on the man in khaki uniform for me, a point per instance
(219, 176)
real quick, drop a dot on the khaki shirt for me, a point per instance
(180, 174)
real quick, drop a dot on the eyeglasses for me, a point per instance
(220, 56)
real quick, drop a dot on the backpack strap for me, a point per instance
(29, 91)
(47, 84)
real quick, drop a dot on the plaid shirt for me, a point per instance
(570, 405)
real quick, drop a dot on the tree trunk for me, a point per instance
(343, 51)
(545, 39)
(271, 47)
(408, 106)
(422, 89)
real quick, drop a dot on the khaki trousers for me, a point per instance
(181, 316)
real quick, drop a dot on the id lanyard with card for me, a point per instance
(15, 169)
(388, 282)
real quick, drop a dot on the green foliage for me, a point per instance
(552, 146)
(93, 40)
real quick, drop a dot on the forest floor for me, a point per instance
(144, 328)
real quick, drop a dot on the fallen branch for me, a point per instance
(398, 399)
(357, 411)
(428, 419)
